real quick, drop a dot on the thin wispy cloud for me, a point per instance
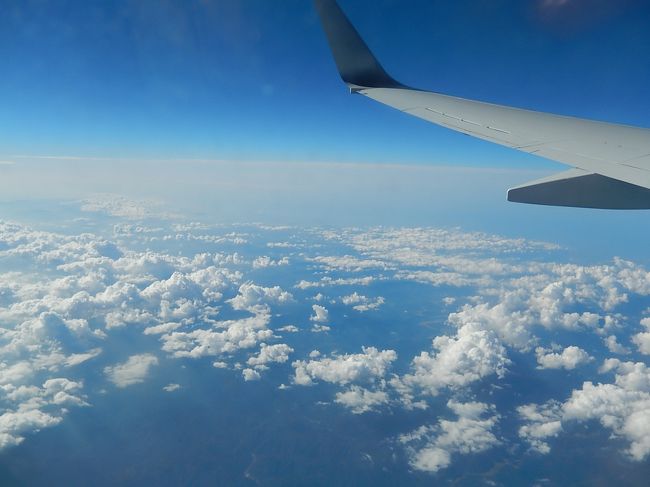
(554, 3)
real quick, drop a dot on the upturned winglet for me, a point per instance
(611, 161)
(356, 63)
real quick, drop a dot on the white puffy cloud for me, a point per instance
(28, 409)
(223, 337)
(542, 422)
(544, 300)
(15, 424)
(431, 448)
(642, 340)
(164, 294)
(360, 400)
(134, 371)
(318, 328)
(171, 387)
(270, 354)
(622, 407)
(612, 344)
(256, 299)
(48, 343)
(367, 366)
(362, 303)
(265, 261)
(454, 363)
(321, 315)
(289, 329)
(251, 375)
(570, 358)
(626, 411)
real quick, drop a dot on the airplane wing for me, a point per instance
(611, 163)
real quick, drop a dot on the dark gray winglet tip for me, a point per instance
(583, 191)
(357, 65)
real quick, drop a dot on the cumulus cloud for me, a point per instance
(223, 337)
(251, 375)
(542, 422)
(431, 448)
(318, 328)
(289, 329)
(28, 409)
(624, 410)
(107, 285)
(171, 387)
(367, 366)
(642, 340)
(270, 354)
(548, 297)
(622, 407)
(612, 344)
(134, 371)
(570, 358)
(362, 303)
(455, 362)
(321, 315)
(360, 400)
(265, 261)
(256, 299)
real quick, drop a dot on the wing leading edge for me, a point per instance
(612, 161)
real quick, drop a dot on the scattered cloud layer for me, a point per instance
(623, 407)
(65, 299)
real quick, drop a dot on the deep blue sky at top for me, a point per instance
(253, 79)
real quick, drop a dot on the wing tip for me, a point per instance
(586, 190)
(357, 65)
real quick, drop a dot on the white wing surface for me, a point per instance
(612, 161)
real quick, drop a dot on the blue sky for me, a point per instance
(254, 80)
